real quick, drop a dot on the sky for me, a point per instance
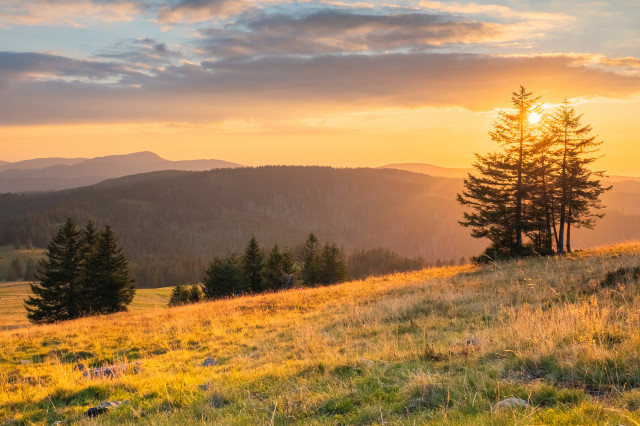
(361, 83)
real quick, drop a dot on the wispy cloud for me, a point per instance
(329, 31)
(78, 13)
(81, 91)
(190, 11)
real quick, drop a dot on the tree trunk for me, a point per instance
(563, 199)
(518, 224)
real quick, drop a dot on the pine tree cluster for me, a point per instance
(85, 272)
(252, 273)
(526, 196)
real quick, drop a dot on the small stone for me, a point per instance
(473, 341)
(103, 407)
(25, 362)
(113, 370)
(366, 362)
(209, 362)
(512, 402)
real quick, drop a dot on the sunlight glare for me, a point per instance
(534, 117)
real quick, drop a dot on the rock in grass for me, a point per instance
(209, 362)
(473, 341)
(102, 408)
(112, 370)
(512, 402)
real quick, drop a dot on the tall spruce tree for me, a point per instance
(311, 267)
(224, 277)
(58, 290)
(498, 194)
(277, 269)
(107, 280)
(579, 187)
(252, 262)
(334, 269)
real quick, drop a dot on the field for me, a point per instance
(13, 314)
(8, 253)
(438, 346)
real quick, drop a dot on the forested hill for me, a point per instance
(170, 223)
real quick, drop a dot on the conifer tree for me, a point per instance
(579, 188)
(108, 282)
(277, 269)
(15, 271)
(497, 195)
(56, 294)
(30, 270)
(224, 277)
(252, 263)
(334, 269)
(311, 268)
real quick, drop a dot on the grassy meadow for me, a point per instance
(438, 346)
(8, 253)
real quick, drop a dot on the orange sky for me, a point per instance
(307, 83)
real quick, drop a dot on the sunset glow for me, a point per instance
(345, 84)
(534, 117)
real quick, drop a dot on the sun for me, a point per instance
(534, 117)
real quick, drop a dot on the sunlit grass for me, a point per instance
(441, 345)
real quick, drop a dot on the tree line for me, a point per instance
(526, 197)
(84, 272)
(258, 270)
(408, 213)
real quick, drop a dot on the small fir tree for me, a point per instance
(224, 277)
(334, 269)
(107, 278)
(57, 291)
(252, 261)
(278, 269)
(311, 267)
(15, 271)
(30, 271)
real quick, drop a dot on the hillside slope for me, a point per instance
(171, 223)
(442, 346)
(175, 221)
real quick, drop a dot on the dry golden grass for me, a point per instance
(441, 345)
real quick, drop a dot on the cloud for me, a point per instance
(144, 53)
(28, 67)
(339, 31)
(495, 10)
(78, 13)
(190, 11)
(88, 91)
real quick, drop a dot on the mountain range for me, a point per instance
(50, 174)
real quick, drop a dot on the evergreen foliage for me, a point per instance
(252, 264)
(278, 270)
(107, 280)
(84, 272)
(524, 197)
(15, 271)
(380, 261)
(225, 277)
(59, 287)
(30, 270)
(333, 269)
(183, 294)
(311, 262)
